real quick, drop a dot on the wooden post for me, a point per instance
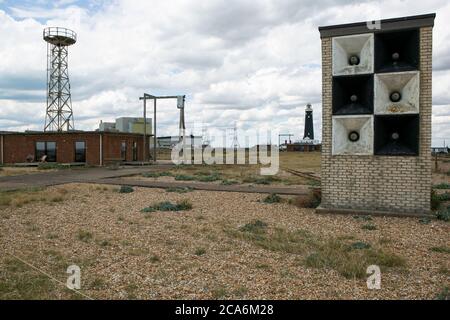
(436, 168)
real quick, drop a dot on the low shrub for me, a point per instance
(435, 200)
(359, 246)
(169, 206)
(272, 198)
(226, 182)
(126, 189)
(84, 236)
(444, 185)
(154, 259)
(180, 189)
(184, 177)
(311, 200)
(148, 209)
(443, 215)
(157, 174)
(256, 226)
(150, 175)
(200, 251)
(444, 294)
(362, 218)
(425, 220)
(444, 196)
(440, 249)
(208, 178)
(369, 227)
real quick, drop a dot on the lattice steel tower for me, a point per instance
(59, 116)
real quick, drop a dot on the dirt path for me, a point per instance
(71, 175)
(119, 177)
(297, 190)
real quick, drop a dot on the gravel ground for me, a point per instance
(188, 255)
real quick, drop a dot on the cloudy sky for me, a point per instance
(255, 63)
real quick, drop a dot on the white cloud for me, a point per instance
(255, 62)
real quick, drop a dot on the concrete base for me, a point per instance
(353, 212)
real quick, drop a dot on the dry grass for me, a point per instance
(229, 245)
(348, 259)
(19, 198)
(302, 161)
(16, 171)
(247, 174)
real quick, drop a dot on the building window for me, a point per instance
(80, 151)
(48, 149)
(123, 150)
(135, 151)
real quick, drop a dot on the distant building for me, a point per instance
(307, 144)
(304, 146)
(441, 150)
(168, 142)
(127, 124)
(88, 147)
(107, 126)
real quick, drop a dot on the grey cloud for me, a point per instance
(255, 62)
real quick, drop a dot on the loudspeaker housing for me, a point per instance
(404, 43)
(356, 128)
(361, 46)
(344, 87)
(397, 135)
(407, 84)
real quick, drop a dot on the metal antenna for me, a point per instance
(205, 135)
(182, 125)
(235, 137)
(59, 115)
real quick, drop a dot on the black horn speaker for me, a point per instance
(397, 51)
(396, 135)
(353, 95)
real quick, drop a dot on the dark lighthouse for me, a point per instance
(309, 128)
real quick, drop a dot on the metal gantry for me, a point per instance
(180, 105)
(59, 114)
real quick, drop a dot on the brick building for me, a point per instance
(92, 148)
(303, 147)
(366, 178)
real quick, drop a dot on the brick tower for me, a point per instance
(376, 127)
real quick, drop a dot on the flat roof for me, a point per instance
(410, 22)
(30, 133)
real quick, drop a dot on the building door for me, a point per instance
(123, 151)
(135, 151)
(80, 151)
